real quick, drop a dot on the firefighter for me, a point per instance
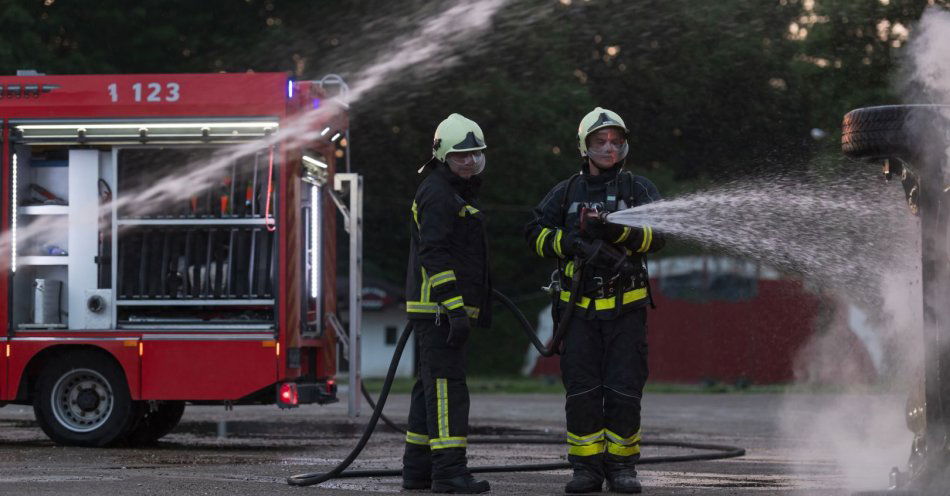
(604, 352)
(448, 289)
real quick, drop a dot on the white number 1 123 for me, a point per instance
(154, 92)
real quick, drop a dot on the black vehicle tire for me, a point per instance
(82, 399)
(892, 130)
(155, 422)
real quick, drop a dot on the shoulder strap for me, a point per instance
(627, 187)
(567, 198)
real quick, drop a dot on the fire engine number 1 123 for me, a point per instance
(149, 92)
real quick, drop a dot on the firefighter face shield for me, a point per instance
(466, 164)
(607, 147)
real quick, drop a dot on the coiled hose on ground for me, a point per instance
(338, 472)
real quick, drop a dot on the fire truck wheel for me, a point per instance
(890, 130)
(82, 399)
(156, 420)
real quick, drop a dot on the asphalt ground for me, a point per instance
(814, 444)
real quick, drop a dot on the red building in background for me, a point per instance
(734, 321)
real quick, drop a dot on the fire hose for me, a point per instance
(715, 451)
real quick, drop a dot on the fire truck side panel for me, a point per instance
(28, 353)
(326, 354)
(4, 371)
(290, 266)
(209, 369)
(164, 95)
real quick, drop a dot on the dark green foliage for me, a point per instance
(709, 90)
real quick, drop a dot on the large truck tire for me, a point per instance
(891, 130)
(155, 422)
(82, 399)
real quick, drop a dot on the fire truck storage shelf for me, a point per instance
(203, 259)
(55, 243)
(206, 257)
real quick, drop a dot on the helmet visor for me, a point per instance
(608, 152)
(466, 164)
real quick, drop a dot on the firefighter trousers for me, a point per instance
(436, 437)
(604, 369)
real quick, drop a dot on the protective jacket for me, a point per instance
(604, 295)
(448, 250)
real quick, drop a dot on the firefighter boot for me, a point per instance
(588, 475)
(462, 484)
(621, 475)
(624, 482)
(416, 467)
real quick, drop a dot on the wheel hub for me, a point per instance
(87, 400)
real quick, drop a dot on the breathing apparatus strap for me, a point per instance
(565, 205)
(610, 205)
(565, 318)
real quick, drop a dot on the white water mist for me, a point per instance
(839, 233)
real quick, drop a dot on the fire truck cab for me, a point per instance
(164, 242)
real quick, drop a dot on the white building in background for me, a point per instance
(384, 318)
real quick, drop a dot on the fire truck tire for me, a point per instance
(889, 130)
(155, 422)
(82, 399)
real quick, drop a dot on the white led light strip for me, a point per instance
(315, 233)
(14, 202)
(150, 125)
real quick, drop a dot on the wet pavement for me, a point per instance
(815, 444)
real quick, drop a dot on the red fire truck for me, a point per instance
(163, 243)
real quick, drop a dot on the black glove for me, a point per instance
(572, 243)
(596, 228)
(601, 254)
(459, 327)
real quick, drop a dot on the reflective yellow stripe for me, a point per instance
(622, 446)
(620, 450)
(421, 307)
(442, 407)
(626, 441)
(539, 243)
(448, 442)
(468, 209)
(442, 278)
(586, 450)
(415, 213)
(569, 269)
(585, 445)
(413, 438)
(557, 244)
(428, 307)
(607, 303)
(425, 296)
(588, 439)
(647, 239)
(623, 237)
(453, 303)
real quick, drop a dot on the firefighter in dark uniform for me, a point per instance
(604, 353)
(447, 290)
